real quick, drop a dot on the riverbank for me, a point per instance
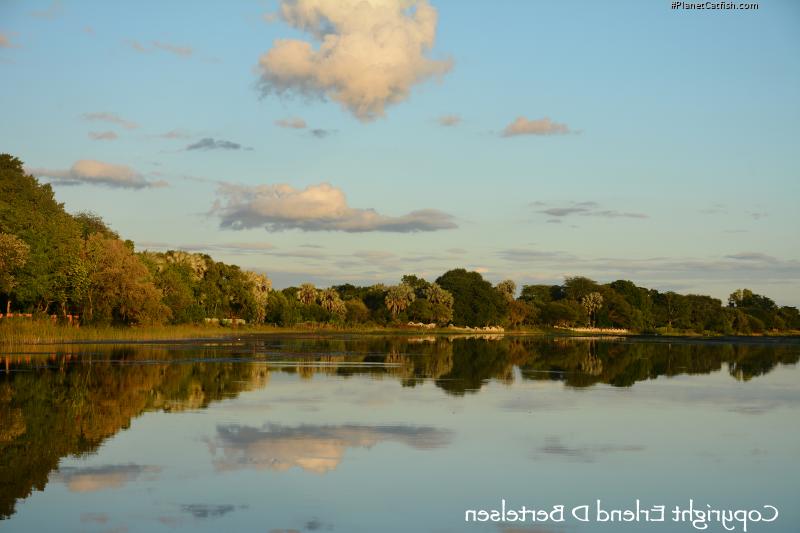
(27, 332)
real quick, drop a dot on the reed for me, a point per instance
(23, 331)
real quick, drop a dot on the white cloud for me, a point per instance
(542, 126)
(317, 449)
(111, 118)
(320, 207)
(98, 478)
(88, 171)
(370, 53)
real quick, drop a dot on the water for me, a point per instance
(395, 434)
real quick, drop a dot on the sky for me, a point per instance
(360, 140)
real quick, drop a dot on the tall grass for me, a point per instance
(26, 331)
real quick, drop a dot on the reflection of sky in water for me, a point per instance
(372, 456)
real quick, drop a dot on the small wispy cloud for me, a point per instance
(232, 248)
(449, 120)
(291, 123)
(5, 41)
(102, 135)
(586, 209)
(178, 50)
(523, 255)
(542, 126)
(184, 51)
(752, 256)
(55, 9)
(209, 143)
(137, 46)
(91, 172)
(553, 446)
(202, 510)
(175, 134)
(111, 118)
(321, 133)
(99, 478)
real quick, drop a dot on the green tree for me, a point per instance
(29, 211)
(507, 288)
(119, 285)
(577, 287)
(260, 287)
(476, 302)
(539, 295)
(417, 284)
(356, 312)
(90, 223)
(747, 298)
(13, 255)
(564, 313)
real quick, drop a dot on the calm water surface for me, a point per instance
(393, 434)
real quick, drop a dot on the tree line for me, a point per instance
(54, 262)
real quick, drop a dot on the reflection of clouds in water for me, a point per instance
(95, 478)
(315, 525)
(316, 449)
(99, 518)
(170, 521)
(553, 446)
(738, 399)
(202, 510)
(118, 529)
(526, 530)
(531, 402)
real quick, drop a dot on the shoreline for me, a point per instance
(42, 334)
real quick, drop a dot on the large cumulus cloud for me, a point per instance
(317, 449)
(368, 53)
(320, 207)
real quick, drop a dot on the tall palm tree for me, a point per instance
(435, 294)
(328, 299)
(399, 298)
(307, 293)
(592, 302)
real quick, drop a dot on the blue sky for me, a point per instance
(668, 157)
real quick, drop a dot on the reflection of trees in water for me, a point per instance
(61, 405)
(584, 363)
(57, 408)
